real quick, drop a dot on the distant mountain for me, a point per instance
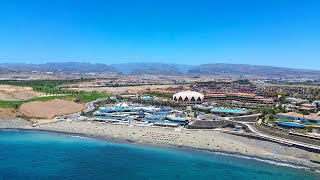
(67, 67)
(219, 69)
(152, 68)
(251, 70)
(81, 68)
(4, 70)
(13, 64)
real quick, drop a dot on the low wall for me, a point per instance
(216, 124)
(247, 118)
(285, 134)
(253, 136)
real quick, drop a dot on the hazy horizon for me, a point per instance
(191, 65)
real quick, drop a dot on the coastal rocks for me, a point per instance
(13, 123)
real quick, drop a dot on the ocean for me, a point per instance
(47, 155)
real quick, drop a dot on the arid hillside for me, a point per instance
(50, 109)
(17, 93)
(7, 113)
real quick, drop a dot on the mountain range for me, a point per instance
(217, 69)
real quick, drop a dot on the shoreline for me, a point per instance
(280, 160)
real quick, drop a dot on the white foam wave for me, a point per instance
(275, 162)
(82, 137)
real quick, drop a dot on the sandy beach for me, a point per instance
(210, 140)
(200, 139)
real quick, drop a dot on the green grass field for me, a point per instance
(311, 124)
(81, 98)
(51, 87)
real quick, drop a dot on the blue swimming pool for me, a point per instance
(290, 124)
(231, 111)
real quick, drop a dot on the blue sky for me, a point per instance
(268, 32)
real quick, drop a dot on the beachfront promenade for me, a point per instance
(281, 140)
(255, 133)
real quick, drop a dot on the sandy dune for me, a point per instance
(50, 109)
(16, 93)
(7, 113)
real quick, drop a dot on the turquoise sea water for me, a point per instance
(43, 155)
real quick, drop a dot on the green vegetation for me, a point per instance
(268, 114)
(311, 124)
(284, 120)
(40, 83)
(86, 97)
(160, 94)
(80, 98)
(241, 81)
(16, 104)
(201, 110)
(53, 87)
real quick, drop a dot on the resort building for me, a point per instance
(307, 107)
(299, 117)
(295, 100)
(134, 114)
(189, 97)
(240, 97)
(316, 103)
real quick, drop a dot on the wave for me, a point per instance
(82, 137)
(269, 161)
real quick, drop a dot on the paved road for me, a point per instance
(75, 116)
(90, 106)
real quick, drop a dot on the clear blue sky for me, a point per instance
(268, 32)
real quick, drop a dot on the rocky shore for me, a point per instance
(13, 123)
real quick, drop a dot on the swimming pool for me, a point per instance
(290, 124)
(231, 111)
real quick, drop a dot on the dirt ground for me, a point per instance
(7, 113)
(16, 93)
(124, 89)
(50, 109)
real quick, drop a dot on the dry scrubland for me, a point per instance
(124, 89)
(16, 93)
(50, 109)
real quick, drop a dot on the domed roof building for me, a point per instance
(188, 96)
